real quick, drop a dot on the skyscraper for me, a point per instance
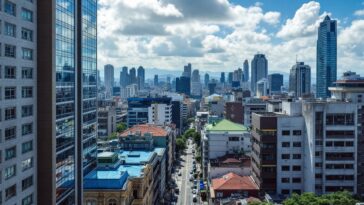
(132, 76)
(246, 71)
(109, 78)
(67, 87)
(259, 70)
(300, 79)
(222, 77)
(275, 83)
(196, 84)
(156, 81)
(124, 77)
(207, 79)
(326, 57)
(187, 70)
(18, 102)
(183, 85)
(141, 77)
(230, 77)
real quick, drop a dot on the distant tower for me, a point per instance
(300, 79)
(132, 76)
(141, 77)
(259, 70)
(207, 79)
(124, 77)
(222, 78)
(187, 70)
(109, 78)
(275, 83)
(326, 58)
(246, 71)
(156, 81)
(230, 77)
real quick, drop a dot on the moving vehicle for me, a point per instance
(194, 198)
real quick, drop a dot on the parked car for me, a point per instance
(194, 198)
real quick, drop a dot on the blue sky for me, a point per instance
(216, 35)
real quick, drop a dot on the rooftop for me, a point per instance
(226, 125)
(231, 160)
(136, 157)
(105, 154)
(154, 130)
(233, 181)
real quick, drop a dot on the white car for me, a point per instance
(194, 191)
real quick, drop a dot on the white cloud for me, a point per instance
(304, 22)
(359, 12)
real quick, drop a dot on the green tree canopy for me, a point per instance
(121, 127)
(337, 198)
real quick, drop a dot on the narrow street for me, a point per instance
(185, 196)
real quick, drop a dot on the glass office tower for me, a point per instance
(67, 94)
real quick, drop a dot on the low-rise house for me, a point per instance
(233, 186)
(237, 164)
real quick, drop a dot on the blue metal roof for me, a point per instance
(136, 157)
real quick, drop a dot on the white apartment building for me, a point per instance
(160, 114)
(18, 102)
(252, 105)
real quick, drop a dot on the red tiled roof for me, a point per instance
(155, 130)
(232, 181)
(231, 160)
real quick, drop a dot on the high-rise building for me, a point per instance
(300, 79)
(18, 102)
(222, 78)
(124, 77)
(141, 77)
(67, 92)
(246, 71)
(109, 78)
(156, 81)
(275, 83)
(196, 86)
(183, 85)
(259, 70)
(326, 58)
(238, 75)
(230, 77)
(207, 79)
(132, 76)
(187, 70)
(262, 87)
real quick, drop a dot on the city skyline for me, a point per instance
(280, 33)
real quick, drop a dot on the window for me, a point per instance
(27, 164)
(285, 180)
(296, 156)
(318, 154)
(10, 113)
(297, 144)
(296, 168)
(27, 147)
(296, 180)
(27, 54)
(27, 92)
(10, 172)
(27, 110)
(112, 202)
(26, 15)
(10, 153)
(27, 129)
(10, 51)
(285, 168)
(318, 165)
(10, 192)
(10, 8)
(10, 72)
(234, 139)
(10, 93)
(285, 156)
(285, 144)
(286, 132)
(10, 29)
(26, 34)
(27, 182)
(27, 73)
(10, 133)
(297, 132)
(28, 200)
(285, 191)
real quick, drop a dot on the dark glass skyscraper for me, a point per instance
(246, 71)
(67, 89)
(275, 82)
(300, 79)
(222, 77)
(141, 77)
(326, 58)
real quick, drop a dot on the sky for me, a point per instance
(218, 35)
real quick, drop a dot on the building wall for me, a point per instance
(234, 112)
(215, 172)
(18, 82)
(220, 145)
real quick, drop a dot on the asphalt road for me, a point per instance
(185, 196)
